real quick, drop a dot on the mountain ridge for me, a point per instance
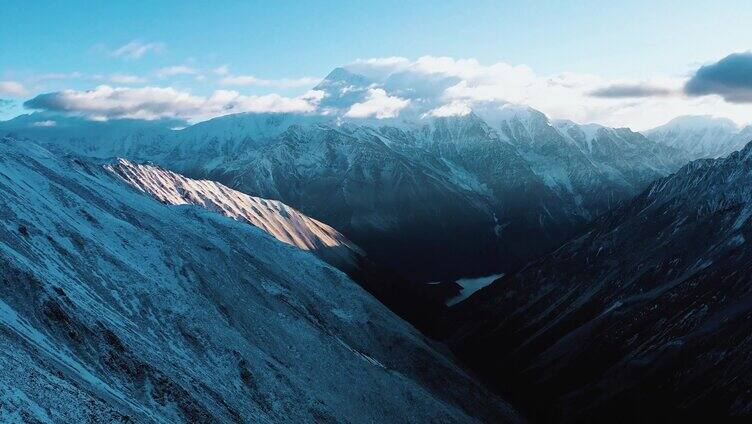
(508, 175)
(631, 316)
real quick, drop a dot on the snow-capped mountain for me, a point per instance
(343, 89)
(644, 315)
(590, 167)
(115, 307)
(501, 184)
(702, 136)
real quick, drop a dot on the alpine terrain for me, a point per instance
(501, 184)
(361, 212)
(118, 308)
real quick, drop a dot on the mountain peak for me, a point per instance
(703, 136)
(698, 122)
(341, 77)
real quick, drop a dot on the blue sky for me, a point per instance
(54, 45)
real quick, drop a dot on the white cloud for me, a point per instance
(392, 62)
(136, 49)
(377, 104)
(313, 96)
(44, 124)
(12, 88)
(106, 102)
(455, 108)
(171, 71)
(578, 97)
(278, 83)
(239, 80)
(377, 67)
(56, 76)
(126, 79)
(221, 70)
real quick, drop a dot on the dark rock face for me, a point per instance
(646, 315)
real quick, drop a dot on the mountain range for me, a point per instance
(501, 184)
(284, 258)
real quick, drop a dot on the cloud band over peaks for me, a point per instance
(105, 102)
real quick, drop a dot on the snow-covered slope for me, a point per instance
(643, 316)
(281, 221)
(115, 307)
(414, 302)
(701, 136)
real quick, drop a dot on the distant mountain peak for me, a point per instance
(703, 136)
(700, 122)
(342, 77)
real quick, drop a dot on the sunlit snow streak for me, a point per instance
(281, 221)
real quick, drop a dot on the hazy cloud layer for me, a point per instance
(12, 88)
(106, 102)
(52, 76)
(617, 91)
(730, 78)
(461, 84)
(221, 70)
(125, 79)
(242, 80)
(394, 86)
(172, 71)
(135, 49)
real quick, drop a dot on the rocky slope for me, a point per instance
(115, 307)
(644, 316)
